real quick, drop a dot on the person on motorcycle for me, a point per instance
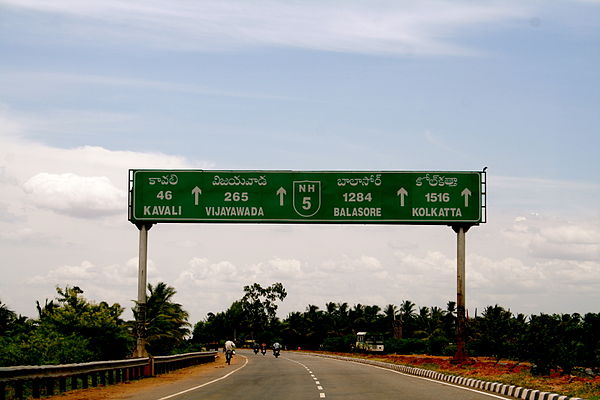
(276, 349)
(229, 345)
(229, 350)
(256, 347)
(263, 348)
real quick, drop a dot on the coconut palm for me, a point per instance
(166, 322)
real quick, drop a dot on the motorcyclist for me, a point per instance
(256, 347)
(276, 349)
(229, 345)
(229, 350)
(263, 348)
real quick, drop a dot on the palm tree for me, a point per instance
(423, 322)
(342, 319)
(7, 318)
(407, 315)
(391, 314)
(166, 322)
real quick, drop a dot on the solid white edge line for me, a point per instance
(423, 378)
(205, 384)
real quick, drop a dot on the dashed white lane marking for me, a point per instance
(319, 387)
(207, 383)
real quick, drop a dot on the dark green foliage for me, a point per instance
(259, 306)
(251, 318)
(493, 333)
(44, 347)
(339, 343)
(591, 340)
(166, 321)
(69, 330)
(7, 319)
(98, 324)
(406, 346)
(556, 341)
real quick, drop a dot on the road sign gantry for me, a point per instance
(359, 197)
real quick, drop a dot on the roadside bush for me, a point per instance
(590, 356)
(339, 343)
(405, 346)
(436, 343)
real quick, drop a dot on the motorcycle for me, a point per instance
(276, 352)
(263, 351)
(256, 350)
(228, 356)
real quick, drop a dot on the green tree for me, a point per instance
(407, 316)
(69, 329)
(259, 306)
(167, 323)
(450, 320)
(590, 352)
(98, 324)
(391, 315)
(294, 329)
(494, 331)
(554, 341)
(7, 319)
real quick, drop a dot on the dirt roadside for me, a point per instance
(126, 390)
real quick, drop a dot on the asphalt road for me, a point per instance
(297, 376)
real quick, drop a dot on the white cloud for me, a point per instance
(20, 235)
(202, 272)
(68, 274)
(409, 27)
(571, 234)
(126, 274)
(508, 274)
(534, 261)
(280, 268)
(537, 196)
(550, 238)
(75, 195)
(88, 181)
(576, 277)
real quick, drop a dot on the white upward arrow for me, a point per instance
(466, 193)
(402, 192)
(196, 192)
(281, 193)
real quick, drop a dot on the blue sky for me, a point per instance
(91, 89)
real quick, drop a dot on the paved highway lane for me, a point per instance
(296, 376)
(348, 380)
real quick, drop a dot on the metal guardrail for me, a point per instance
(21, 382)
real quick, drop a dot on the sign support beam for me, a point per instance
(461, 353)
(140, 348)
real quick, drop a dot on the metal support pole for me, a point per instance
(461, 354)
(140, 348)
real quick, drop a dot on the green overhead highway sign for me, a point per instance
(359, 197)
